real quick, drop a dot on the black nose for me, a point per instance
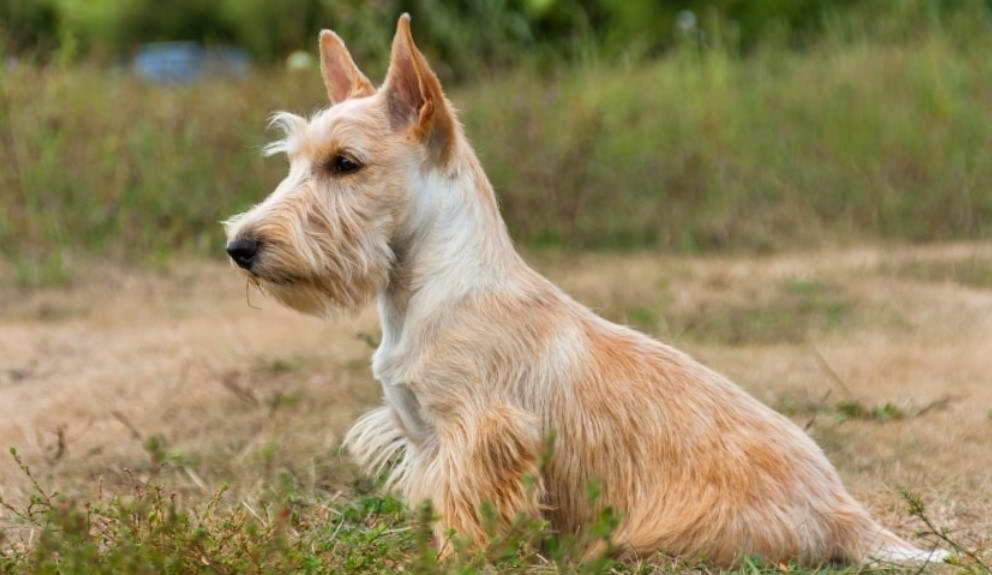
(243, 252)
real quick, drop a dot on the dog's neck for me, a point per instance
(453, 243)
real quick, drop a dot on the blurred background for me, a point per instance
(130, 128)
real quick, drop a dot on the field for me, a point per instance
(812, 218)
(190, 425)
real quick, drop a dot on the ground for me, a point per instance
(884, 354)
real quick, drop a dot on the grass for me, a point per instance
(164, 426)
(794, 309)
(146, 528)
(706, 152)
(975, 271)
(703, 150)
(207, 441)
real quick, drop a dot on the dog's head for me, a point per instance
(325, 237)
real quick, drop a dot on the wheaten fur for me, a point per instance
(482, 359)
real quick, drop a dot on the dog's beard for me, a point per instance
(302, 297)
(340, 284)
(320, 296)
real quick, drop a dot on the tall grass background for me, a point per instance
(878, 131)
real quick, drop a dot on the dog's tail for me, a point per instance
(907, 555)
(878, 546)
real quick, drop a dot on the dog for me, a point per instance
(482, 358)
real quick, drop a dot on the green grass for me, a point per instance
(145, 526)
(702, 150)
(852, 409)
(249, 480)
(705, 152)
(975, 271)
(795, 310)
(788, 311)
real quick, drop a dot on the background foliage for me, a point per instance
(681, 126)
(465, 35)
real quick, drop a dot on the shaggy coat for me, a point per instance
(482, 359)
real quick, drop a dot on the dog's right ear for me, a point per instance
(342, 78)
(414, 98)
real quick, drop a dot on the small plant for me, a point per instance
(284, 399)
(852, 409)
(917, 509)
(147, 528)
(279, 365)
(156, 446)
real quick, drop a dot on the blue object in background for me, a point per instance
(177, 62)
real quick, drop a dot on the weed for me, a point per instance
(285, 399)
(151, 529)
(279, 366)
(917, 509)
(851, 409)
(156, 446)
(147, 528)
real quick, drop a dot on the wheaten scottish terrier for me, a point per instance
(482, 358)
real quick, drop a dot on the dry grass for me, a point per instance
(173, 376)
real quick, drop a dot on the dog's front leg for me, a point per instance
(483, 473)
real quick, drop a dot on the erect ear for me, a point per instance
(414, 97)
(342, 78)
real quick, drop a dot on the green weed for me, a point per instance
(852, 409)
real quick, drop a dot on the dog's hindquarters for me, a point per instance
(697, 467)
(692, 464)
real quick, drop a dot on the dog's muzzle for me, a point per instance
(243, 252)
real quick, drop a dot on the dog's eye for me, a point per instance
(342, 164)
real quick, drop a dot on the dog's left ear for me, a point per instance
(342, 78)
(414, 97)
